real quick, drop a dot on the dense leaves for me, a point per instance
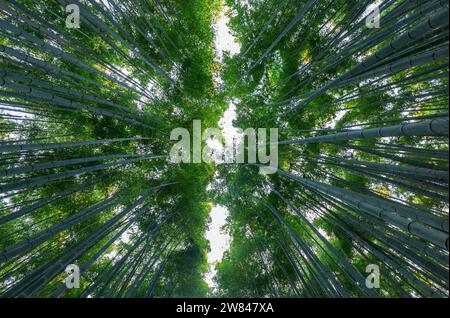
(350, 191)
(85, 119)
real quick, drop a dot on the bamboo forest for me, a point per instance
(354, 93)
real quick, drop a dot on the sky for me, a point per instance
(219, 240)
(224, 40)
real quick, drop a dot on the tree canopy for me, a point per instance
(362, 117)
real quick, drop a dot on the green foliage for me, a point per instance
(83, 111)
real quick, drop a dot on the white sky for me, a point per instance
(226, 122)
(224, 40)
(219, 240)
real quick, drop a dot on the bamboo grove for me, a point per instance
(85, 119)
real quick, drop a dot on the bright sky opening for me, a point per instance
(219, 240)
